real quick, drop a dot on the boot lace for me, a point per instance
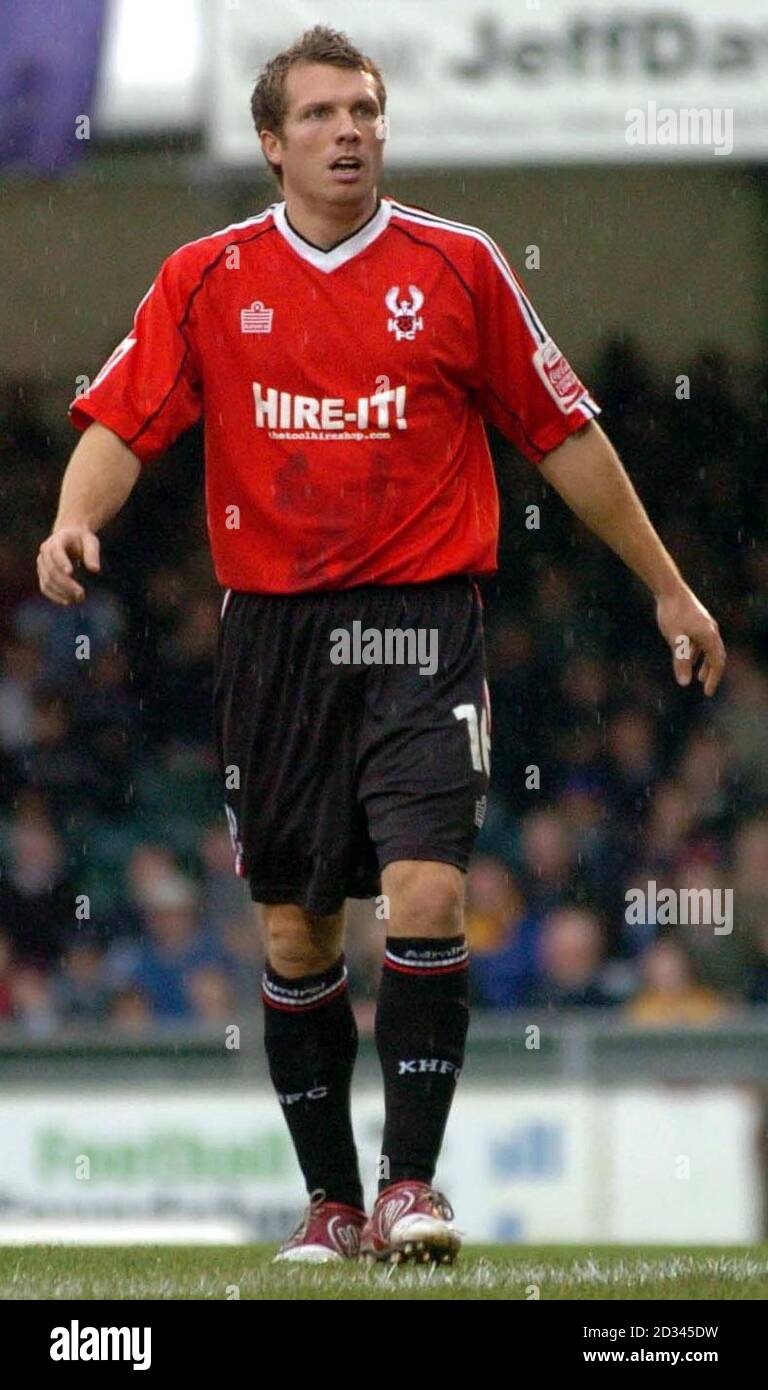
(316, 1200)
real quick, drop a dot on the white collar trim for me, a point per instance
(331, 260)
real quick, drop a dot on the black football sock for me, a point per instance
(310, 1035)
(422, 1015)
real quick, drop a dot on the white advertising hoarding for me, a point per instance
(507, 81)
(558, 1166)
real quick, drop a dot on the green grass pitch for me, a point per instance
(573, 1273)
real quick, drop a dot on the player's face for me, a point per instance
(332, 114)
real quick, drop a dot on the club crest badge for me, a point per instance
(405, 320)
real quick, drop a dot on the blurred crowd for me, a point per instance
(119, 906)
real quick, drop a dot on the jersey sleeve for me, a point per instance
(527, 388)
(148, 391)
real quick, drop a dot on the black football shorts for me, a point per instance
(352, 730)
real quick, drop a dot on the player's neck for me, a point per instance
(324, 226)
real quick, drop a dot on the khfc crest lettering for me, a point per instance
(404, 322)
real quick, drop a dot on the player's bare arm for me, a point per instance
(587, 472)
(99, 478)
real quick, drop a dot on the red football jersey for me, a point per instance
(343, 395)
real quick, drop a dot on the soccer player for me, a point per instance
(344, 351)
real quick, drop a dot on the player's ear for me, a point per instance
(271, 147)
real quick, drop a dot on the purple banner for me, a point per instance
(49, 54)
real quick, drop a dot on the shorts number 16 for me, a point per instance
(479, 736)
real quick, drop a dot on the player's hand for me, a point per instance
(56, 560)
(691, 633)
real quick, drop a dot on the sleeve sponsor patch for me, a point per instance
(558, 376)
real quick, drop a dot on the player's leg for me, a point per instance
(286, 733)
(424, 898)
(310, 1037)
(422, 1014)
(424, 786)
(300, 942)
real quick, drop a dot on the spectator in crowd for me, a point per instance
(145, 864)
(58, 631)
(129, 1013)
(149, 864)
(548, 852)
(670, 994)
(711, 933)
(211, 997)
(502, 936)
(33, 1003)
(669, 826)
(571, 962)
(21, 668)
(105, 724)
(631, 761)
(242, 941)
(176, 943)
(703, 771)
(65, 768)
(495, 905)
(225, 897)
(600, 848)
(37, 906)
(81, 990)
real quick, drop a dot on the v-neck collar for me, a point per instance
(346, 250)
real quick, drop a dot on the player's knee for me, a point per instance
(298, 942)
(426, 898)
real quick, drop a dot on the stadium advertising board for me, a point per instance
(561, 1165)
(486, 82)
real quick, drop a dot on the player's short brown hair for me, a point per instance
(318, 45)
